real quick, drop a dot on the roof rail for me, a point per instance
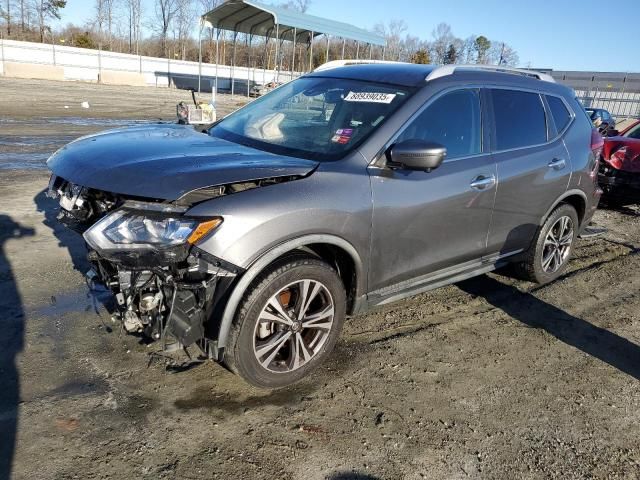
(445, 70)
(344, 63)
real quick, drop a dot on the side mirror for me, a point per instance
(417, 154)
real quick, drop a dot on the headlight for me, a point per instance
(129, 230)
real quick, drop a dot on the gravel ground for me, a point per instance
(488, 378)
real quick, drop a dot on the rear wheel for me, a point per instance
(548, 257)
(288, 322)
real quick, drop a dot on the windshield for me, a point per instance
(634, 132)
(593, 114)
(315, 118)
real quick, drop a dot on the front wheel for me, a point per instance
(548, 257)
(288, 322)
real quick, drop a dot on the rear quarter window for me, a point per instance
(559, 112)
(520, 120)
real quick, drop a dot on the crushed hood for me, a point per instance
(165, 162)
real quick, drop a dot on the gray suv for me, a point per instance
(343, 190)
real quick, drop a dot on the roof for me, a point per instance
(416, 75)
(405, 74)
(248, 16)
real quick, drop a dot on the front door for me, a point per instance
(424, 222)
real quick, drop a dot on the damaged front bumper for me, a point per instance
(170, 293)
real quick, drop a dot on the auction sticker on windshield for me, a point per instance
(371, 97)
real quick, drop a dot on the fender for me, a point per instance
(262, 262)
(566, 194)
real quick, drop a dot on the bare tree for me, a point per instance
(165, 12)
(46, 10)
(206, 6)
(133, 9)
(183, 24)
(23, 14)
(467, 50)
(104, 20)
(442, 40)
(502, 54)
(109, 12)
(392, 32)
(99, 19)
(7, 15)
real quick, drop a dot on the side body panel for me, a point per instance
(577, 140)
(335, 201)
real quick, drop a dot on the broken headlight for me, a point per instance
(139, 230)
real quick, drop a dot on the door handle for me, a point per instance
(557, 163)
(483, 182)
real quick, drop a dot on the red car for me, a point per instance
(619, 174)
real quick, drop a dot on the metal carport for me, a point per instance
(256, 19)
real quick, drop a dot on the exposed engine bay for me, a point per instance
(163, 293)
(129, 192)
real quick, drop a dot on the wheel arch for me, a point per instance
(576, 198)
(333, 249)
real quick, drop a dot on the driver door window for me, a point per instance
(453, 120)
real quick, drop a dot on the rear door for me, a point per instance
(533, 168)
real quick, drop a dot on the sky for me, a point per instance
(559, 34)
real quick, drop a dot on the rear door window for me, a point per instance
(559, 112)
(520, 120)
(453, 120)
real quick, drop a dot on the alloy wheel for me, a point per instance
(557, 245)
(293, 326)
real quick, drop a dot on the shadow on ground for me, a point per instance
(351, 476)
(598, 342)
(67, 238)
(11, 343)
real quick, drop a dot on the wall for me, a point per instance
(55, 62)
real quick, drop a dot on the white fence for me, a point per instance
(82, 64)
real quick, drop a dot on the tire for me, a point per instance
(262, 345)
(535, 266)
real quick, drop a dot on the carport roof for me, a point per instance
(248, 16)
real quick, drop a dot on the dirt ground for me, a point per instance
(489, 378)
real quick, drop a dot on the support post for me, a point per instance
(311, 53)
(327, 55)
(233, 64)
(293, 56)
(265, 64)
(370, 51)
(217, 62)
(100, 63)
(344, 42)
(200, 57)
(249, 64)
(275, 62)
(358, 51)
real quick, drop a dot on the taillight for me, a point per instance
(597, 146)
(597, 142)
(617, 158)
